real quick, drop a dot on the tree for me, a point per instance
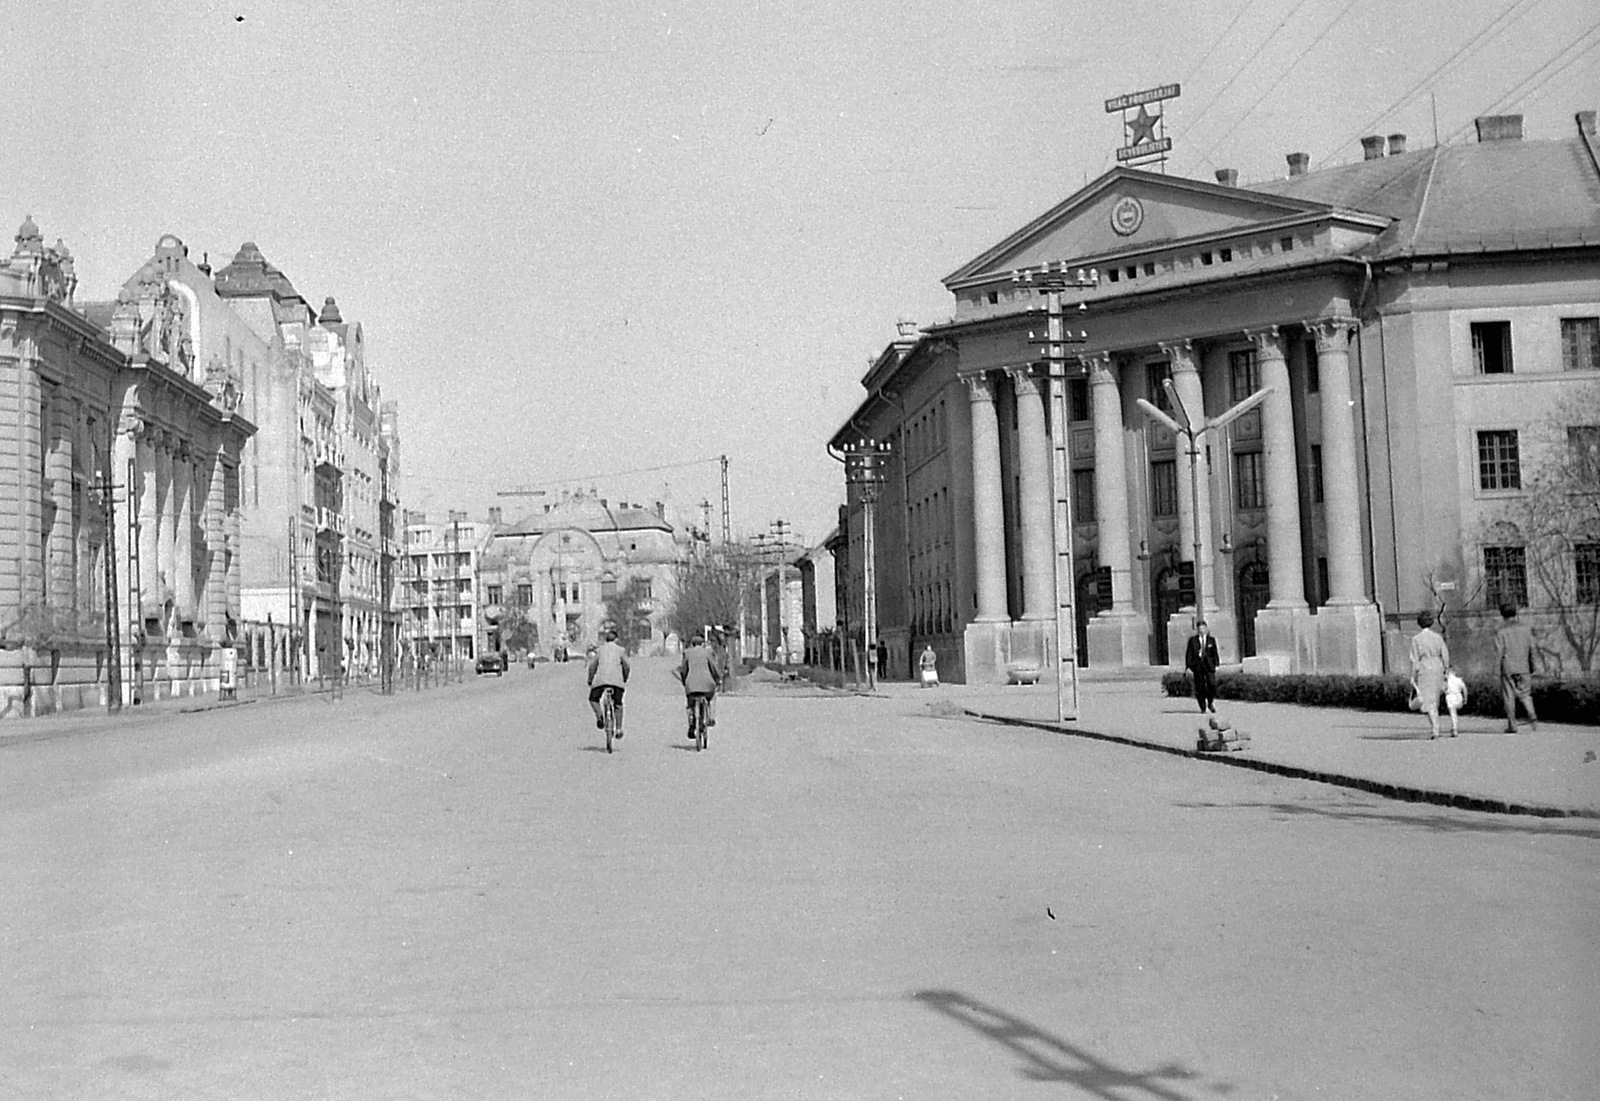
(714, 587)
(625, 610)
(517, 631)
(1548, 537)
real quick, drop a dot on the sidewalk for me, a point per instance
(1554, 772)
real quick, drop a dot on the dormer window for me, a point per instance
(1150, 268)
(1285, 244)
(1132, 271)
(1205, 259)
(1227, 255)
(994, 298)
(1113, 274)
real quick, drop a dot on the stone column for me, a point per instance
(148, 467)
(216, 591)
(984, 642)
(1285, 634)
(1035, 507)
(58, 430)
(1118, 636)
(1348, 630)
(182, 509)
(167, 523)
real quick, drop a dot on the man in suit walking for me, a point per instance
(1513, 644)
(1202, 659)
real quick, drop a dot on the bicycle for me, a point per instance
(697, 731)
(608, 712)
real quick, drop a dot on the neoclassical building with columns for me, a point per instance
(1414, 317)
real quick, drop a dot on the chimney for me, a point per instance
(1498, 127)
(1585, 122)
(661, 510)
(1298, 163)
(1397, 144)
(1372, 147)
(1228, 177)
(494, 516)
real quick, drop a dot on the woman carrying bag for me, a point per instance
(1430, 657)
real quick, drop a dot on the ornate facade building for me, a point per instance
(1427, 324)
(559, 566)
(123, 575)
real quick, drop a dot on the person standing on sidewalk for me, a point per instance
(1430, 657)
(1202, 659)
(1513, 644)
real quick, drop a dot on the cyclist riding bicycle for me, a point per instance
(700, 676)
(608, 668)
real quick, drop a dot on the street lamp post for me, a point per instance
(1053, 283)
(1192, 428)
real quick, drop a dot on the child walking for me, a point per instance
(1455, 697)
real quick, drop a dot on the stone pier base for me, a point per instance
(1119, 640)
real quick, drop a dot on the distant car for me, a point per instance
(493, 662)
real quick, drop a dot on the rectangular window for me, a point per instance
(1205, 259)
(524, 595)
(1244, 375)
(1113, 274)
(1078, 399)
(1316, 474)
(1583, 450)
(1131, 271)
(1164, 488)
(1083, 496)
(492, 593)
(1491, 347)
(1505, 576)
(1251, 490)
(1586, 557)
(1580, 343)
(1285, 244)
(1227, 255)
(1498, 465)
(641, 587)
(1150, 268)
(1313, 368)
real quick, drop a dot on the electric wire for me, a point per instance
(1493, 29)
(1290, 68)
(1198, 65)
(1519, 91)
(1240, 71)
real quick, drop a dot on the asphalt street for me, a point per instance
(458, 894)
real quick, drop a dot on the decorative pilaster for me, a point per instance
(58, 430)
(148, 468)
(183, 493)
(167, 524)
(216, 540)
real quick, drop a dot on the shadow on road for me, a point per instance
(1464, 822)
(1049, 1058)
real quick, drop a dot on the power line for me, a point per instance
(1198, 65)
(1279, 80)
(1493, 29)
(1237, 73)
(568, 481)
(1518, 88)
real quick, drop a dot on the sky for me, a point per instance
(598, 245)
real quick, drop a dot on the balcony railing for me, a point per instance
(330, 520)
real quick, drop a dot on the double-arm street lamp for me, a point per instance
(1192, 428)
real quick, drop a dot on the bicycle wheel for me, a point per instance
(608, 709)
(699, 723)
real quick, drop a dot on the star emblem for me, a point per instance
(1143, 127)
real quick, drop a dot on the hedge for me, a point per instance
(1559, 701)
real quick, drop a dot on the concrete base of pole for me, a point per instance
(1119, 640)
(1349, 639)
(1286, 640)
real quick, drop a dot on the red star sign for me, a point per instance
(1143, 127)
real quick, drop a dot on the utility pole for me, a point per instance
(1053, 284)
(727, 536)
(780, 534)
(864, 469)
(113, 624)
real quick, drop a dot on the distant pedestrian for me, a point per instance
(1513, 644)
(1430, 657)
(883, 659)
(1201, 659)
(929, 664)
(1455, 698)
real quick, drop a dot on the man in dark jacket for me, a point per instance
(1513, 645)
(1202, 659)
(700, 675)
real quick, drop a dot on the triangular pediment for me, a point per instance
(1128, 211)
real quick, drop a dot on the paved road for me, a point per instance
(458, 894)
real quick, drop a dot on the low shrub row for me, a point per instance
(1559, 701)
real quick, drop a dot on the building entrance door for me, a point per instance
(1167, 590)
(1253, 596)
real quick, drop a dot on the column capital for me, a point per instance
(980, 388)
(1024, 379)
(1267, 342)
(1102, 368)
(132, 426)
(1332, 333)
(1181, 354)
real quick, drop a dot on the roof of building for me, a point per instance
(1487, 195)
(251, 275)
(588, 513)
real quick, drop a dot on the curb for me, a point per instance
(1400, 792)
